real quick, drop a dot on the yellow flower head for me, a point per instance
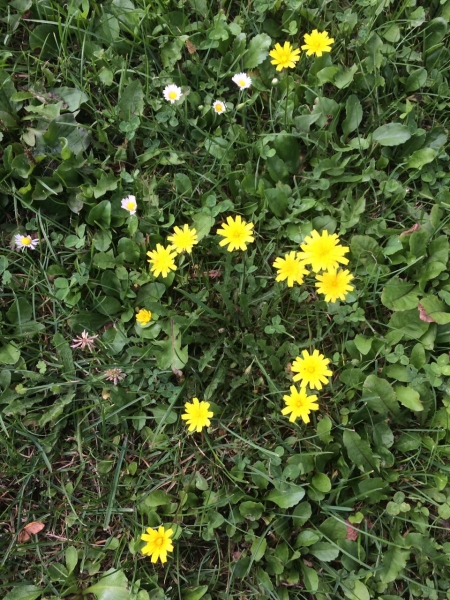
(334, 284)
(183, 240)
(158, 543)
(299, 404)
(311, 370)
(197, 415)
(323, 252)
(143, 317)
(237, 233)
(162, 260)
(317, 43)
(284, 56)
(291, 268)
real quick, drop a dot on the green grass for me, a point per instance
(356, 504)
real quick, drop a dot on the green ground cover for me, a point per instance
(354, 504)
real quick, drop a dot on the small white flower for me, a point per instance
(84, 340)
(219, 107)
(25, 241)
(172, 93)
(129, 204)
(242, 80)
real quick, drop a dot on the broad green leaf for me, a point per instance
(71, 558)
(355, 590)
(434, 309)
(394, 561)
(321, 482)
(24, 592)
(399, 295)
(359, 451)
(333, 529)
(435, 31)
(195, 593)
(183, 184)
(20, 311)
(408, 397)
(408, 323)
(392, 134)
(324, 551)
(131, 102)
(288, 498)
(323, 430)
(202, 222)
(363, 344)
(420, 158)
(112, 586)
(100, 214)
(129, 250)
(55, 410)
(258, 548)
(157, 498)
(73, 97)
(416, 80)
(258, 50)
(251, 510)
(9, 354)
(277, 201)
(354, 115)
(288, 149)
(219, 148)
(380, 396)
(301, 514)
(310, 578)
(344, 76)
(64, 353)
(170, 354)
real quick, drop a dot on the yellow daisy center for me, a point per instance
(131, 205)
(173, 95)
(242, 82)
(26, 241)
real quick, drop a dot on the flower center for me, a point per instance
(173, 95)
(237, 234)
(131, 205)
(26, 241)
(310, 369)
(159, 542)
(219, 108)
(242, 82)
(299, 403)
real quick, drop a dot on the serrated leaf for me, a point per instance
(112, 586)
(380, 396)
(310, 578)
(359, 451)
(251, 510)
(392, 134)
(324, 551)
(408, 397)
(394, 561)
(131, 101)
(355, 590)
(170, 354)
(431, 310)
(258, 50)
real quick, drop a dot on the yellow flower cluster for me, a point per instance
(324, 253)
(286, 57)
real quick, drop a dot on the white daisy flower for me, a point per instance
(25, 241)
(242, 80)
(219, 107)
(172, 93)
(129, 204)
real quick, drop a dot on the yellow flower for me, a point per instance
(284, 57)
(334, 284)
(237, 234)
(291, 268)
(299, 404)
(197, 415)
(183, 240)
(323, 252)
(162, 260)
(317, 43)
(143, 317)
(311, 370)
(158, 543)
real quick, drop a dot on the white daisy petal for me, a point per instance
(172, 93)
(219, 107)
(25, 242)
(129, 204)
(242, 80)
